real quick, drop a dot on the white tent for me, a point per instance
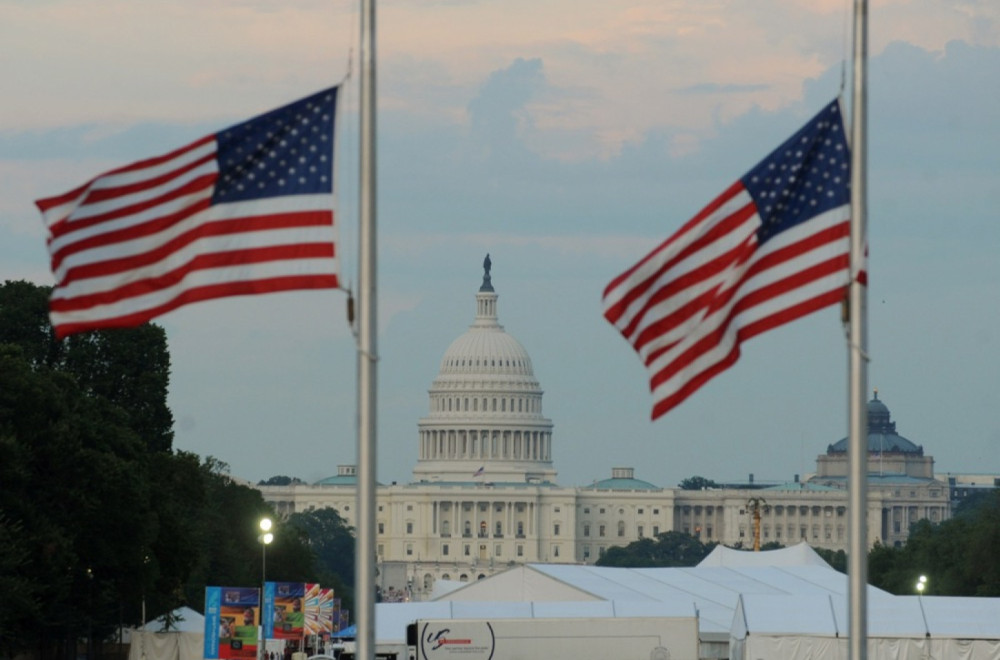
(800, 554)
(183, 640)
(903, 627)
(711, 590)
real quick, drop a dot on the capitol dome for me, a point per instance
(487, 350)
(485, 419)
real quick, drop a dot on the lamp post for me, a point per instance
(266, 536)
(921, 584)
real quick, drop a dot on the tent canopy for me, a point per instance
(184, 619)
(796, 555)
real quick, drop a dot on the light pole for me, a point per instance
(921, 585)
(265, 538)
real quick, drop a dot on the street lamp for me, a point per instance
(266, 536)
(921, 584)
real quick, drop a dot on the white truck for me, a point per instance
(616, 638)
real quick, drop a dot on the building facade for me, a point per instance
(484, 494)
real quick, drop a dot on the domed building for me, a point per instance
(888, 452)
(484, 495)
(485, 414)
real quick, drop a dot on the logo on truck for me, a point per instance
(472, 640)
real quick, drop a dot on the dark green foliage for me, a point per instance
(70, 462)
(835, 558)
(958, 556)
(697, 483)
(280, 480)
(667, 549)
(98, 515)
(332, 541)
(128, 367)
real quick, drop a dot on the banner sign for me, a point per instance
(231, 619)
(284, 617)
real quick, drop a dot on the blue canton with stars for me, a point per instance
(288, 151)
(807, 175)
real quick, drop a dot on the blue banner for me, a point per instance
(213, 599)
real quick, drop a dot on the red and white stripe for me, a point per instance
(688, 304)
(144, 239)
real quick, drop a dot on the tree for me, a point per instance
(332, 540)
(697, 483)
(958, 556)
(668, 549)
(128, 367)
(97, 514)
(92, 515)
(280, 480)
(837, 559)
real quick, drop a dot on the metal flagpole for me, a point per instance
(364, 590)
(857, 569)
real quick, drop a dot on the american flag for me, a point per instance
(480, 471)
(247, 210)
(770, 249)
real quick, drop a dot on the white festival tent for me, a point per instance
(785, 603)
(899, 627)
(184, 640)
(710, 591)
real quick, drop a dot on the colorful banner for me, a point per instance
(318, 610)
(326, 611)
(284, 617)
(231, 619)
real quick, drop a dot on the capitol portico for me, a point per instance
(484, 494)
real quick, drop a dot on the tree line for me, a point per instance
(100, 518)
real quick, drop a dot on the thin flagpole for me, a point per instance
(364, 589)
(857, 408)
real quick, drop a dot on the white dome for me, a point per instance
(485, 414)
(486, 351)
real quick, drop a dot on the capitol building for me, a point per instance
(484, 494)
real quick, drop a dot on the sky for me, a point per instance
(566, 138)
